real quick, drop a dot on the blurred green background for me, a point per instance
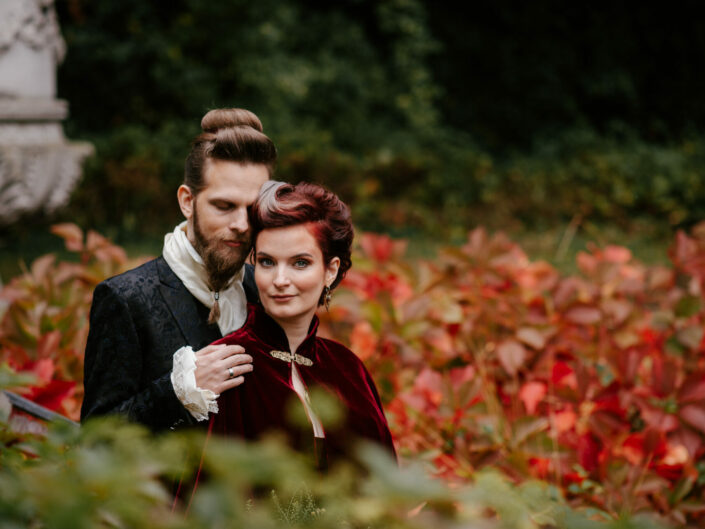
(557, 122)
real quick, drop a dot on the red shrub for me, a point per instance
(44, 328)
(595, 382)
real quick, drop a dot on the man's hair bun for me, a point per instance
(231, 135)
(224, 118)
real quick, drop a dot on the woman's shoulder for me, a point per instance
(244, 333)
(338, 351)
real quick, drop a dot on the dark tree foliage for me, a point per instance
(352, 69)
(512, 71)
(328, 79)
(423, 115)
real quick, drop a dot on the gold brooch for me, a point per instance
(288, 357)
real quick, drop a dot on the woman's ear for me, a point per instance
(186, 200)
(332, 270)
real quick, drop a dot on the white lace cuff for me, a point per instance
(196, 400)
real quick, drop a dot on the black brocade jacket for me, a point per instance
(138, 320)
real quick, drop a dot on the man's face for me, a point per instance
(218, 224)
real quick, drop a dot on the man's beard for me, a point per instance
(221, 264)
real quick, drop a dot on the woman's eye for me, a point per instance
(265, 261)
(301, 263)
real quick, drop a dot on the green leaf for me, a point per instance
(681, 490)
(688, 306)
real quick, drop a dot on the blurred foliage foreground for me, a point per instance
(108, 474)
(486, 361)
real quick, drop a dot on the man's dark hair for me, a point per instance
(229, 134)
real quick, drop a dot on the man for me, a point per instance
(146, 324)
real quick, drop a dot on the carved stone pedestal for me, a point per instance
(38, 166)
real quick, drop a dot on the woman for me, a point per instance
(302, 240)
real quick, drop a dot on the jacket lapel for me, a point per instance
(184, 308)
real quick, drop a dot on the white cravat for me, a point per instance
(188, 266)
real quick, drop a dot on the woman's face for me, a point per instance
(290, 273)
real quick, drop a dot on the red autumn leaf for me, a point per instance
(564, 420)
(686, 437)
(48, 344)
(632, 449)
(532, 337)
(461, 375)
(653, 339)
(540, 466)
(608, 400)
(95, 240)
(531, 394)
(43, 369)
(618, 309)
(564, 375)
(381, 248)
(111, 253)
(664, 375)
(617, 254)
(430, 380)
(659, 419)
(694, 415)
(670, 472)
(584, 315)
(363, 340)
(52, 395)
(588, 450)
(72, 235)
(587, 263)
(660, 277)
(41, 266)
(692, 389)
(439, 339)
(512, 356)
(607, 426)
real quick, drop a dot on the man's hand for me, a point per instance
(221, 367)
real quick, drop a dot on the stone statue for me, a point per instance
(38, 166)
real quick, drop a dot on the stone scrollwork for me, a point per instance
(37, 178)
(38, 167)
(33, 23)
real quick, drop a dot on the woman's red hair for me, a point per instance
(282, 205)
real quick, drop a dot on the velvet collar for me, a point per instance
(273, 336)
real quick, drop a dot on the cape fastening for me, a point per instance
(288, 357)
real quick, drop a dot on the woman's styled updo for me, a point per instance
(229, 134)
(281, 205)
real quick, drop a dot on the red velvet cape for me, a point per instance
(261, 403)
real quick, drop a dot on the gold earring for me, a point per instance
(326, 297)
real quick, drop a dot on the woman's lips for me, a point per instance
(282, 298)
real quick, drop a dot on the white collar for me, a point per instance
(188, 266)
